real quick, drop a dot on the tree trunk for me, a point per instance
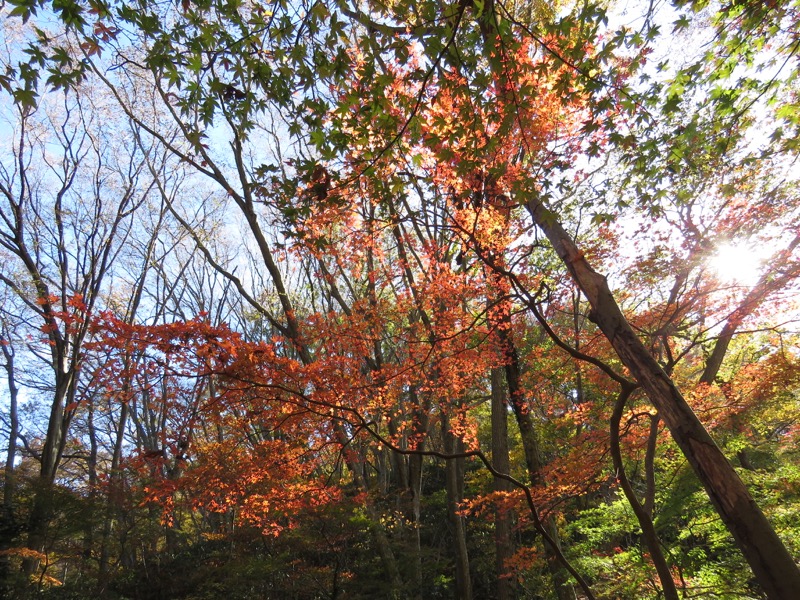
(771, 562)
(454, 473)
(419, 434)
(92, 500)
(114, 492)
(768, 283)
(42, 509)
(533, 458)
(8, 519)
(642, 516)
(415, 489)
(382, 544)
(503, 519)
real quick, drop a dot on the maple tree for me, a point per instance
(425, 195)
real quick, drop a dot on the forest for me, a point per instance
(400, 299)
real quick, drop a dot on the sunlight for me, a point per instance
(737, 263)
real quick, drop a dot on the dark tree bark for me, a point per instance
(8, 519)
(773, 566)
(533, 457)
(503, 520)
(454, 469)
(642, 516)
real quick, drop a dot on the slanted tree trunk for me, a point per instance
(771, 281)
(771, 562)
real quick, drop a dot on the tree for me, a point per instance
(426, 165)
(62, 174)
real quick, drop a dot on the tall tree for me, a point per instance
(69, 199)
(495, 115)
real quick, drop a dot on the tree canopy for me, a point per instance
(404, 299)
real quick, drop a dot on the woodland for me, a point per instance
(402, 299)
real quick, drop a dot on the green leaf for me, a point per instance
(25, 98)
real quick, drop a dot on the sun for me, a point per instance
(737, 263)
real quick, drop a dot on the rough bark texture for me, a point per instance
(42, 510)
(771, 562)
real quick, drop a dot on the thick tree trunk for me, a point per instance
(38, 524)
(771, 562)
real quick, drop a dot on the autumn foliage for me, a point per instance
(399, 300)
